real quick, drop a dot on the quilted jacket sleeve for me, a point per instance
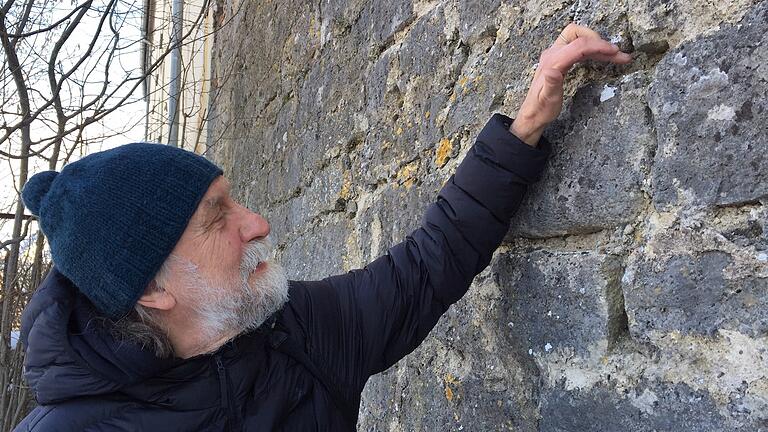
(360, 323)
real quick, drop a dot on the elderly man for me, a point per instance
(164, 311)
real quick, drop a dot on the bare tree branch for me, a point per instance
(20, 238)
(50, 27)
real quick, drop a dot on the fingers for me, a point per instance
(574, 31)
(545, 96)
(561, 40)
(618, 57)
(577, 43)
(584, 48)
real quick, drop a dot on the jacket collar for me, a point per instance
(70, 351)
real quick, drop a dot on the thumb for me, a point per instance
(552, 88)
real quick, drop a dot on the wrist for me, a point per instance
(526, 132)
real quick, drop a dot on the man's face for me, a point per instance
(219, 232)
(221, 268)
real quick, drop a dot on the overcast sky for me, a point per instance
(117, 121)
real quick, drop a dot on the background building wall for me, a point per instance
(630, 292)
(194, 85)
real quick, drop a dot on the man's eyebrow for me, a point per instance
(210, 208)
(213, 202)
(212, 205)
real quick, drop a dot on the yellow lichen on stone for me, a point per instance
(448, 393)
(449, 380)
(314, 29)
(399, 131)
(466, 85)
(443, 152)
(406, 175)
(346, 186)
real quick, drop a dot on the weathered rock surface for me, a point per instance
(630, 292)
(562, 301)
(663, 408)
(697, 283)
(715, 153)
(596, 175)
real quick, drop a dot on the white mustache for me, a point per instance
(256, 252)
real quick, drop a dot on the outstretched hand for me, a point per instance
(545, 96)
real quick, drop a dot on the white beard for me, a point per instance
(237, 306)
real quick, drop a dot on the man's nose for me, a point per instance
(253, 227)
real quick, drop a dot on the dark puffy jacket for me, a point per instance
(305, 368)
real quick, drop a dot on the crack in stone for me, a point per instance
(618, 320)
(763, 200)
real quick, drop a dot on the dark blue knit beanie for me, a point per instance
(113, 217)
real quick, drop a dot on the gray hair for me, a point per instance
(141, 326)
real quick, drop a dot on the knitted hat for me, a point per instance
(113, 217)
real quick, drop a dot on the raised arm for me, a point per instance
(362, 322)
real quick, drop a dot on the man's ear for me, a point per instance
(156, 297)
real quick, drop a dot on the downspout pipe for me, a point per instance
(174, 89)
(145, 60)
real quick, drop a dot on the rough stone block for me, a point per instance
(330, 101)
(561, 301)
(407, 89)
(307, 255)
(649, 408)
(692, 293)
(327, 193)
(708, 98)
(658, 25)
(393, 211)
(604, 131)
(499, 63)
(474, 19)
(744, 226)
(381, 20)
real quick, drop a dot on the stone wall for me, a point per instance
(630, 293)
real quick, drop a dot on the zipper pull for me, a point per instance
(219, 364)
(222, 381)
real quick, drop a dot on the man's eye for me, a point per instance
(214, 221)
